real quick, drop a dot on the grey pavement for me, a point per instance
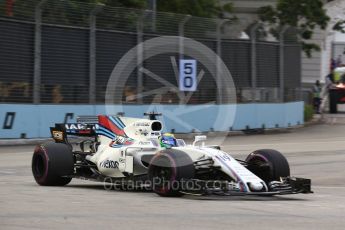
(316, 152)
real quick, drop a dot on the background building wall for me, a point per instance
(333, 41)
(317, 66)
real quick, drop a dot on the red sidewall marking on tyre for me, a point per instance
(173, 177)
(41, 150)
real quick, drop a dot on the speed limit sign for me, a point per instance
(188, 81)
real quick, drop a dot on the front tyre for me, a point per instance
(268, 164)
(51, 163)
(167, 171)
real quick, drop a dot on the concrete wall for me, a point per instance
(33, 121)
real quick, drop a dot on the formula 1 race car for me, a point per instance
(124, 150)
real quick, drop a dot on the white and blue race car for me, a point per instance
(124, 150)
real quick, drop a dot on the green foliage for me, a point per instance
(267, 14)
(309, 48)
(200, 8)
(304, 15)
(77, 12)
(308, 112)
(21, 9)
(140, 4)
(57, 8)
(339, 26)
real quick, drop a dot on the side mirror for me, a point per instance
(199, 138)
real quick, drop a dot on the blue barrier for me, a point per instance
(33, 121)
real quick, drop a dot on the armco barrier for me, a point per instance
(33, 121)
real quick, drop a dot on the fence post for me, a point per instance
(152, 4)
(220, 24)
(37, 54)
(181, 42)
(300, 94)
(281, 63)
(140, 56)
(253, 60)
(92, 53)
(181, 35)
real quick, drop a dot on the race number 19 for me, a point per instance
(188, 81)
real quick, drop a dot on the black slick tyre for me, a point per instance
(167, 171)
(52, 163)
(269, 165)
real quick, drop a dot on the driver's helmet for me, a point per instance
(167, 140)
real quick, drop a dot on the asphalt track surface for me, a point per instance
(316, 152)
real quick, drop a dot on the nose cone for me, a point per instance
(256, 186)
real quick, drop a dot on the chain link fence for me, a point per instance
(61, 52)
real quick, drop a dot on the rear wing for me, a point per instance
(87, 119)
(85, 127)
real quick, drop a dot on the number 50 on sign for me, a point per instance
(188, 81)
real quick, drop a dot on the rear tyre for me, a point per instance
(168, 169)
(51, 163)
(269, 165)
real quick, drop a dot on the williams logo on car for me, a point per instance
(109, 164)
(75, 126)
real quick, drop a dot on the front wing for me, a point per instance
(287, 185)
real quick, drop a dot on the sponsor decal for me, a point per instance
(77, 126)
(120, 140)
(109, 164)
(142, 124)
(142, 132)
(144, 142)
(58, 135)
(224, 157)
(74, 126)
(87, 131)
